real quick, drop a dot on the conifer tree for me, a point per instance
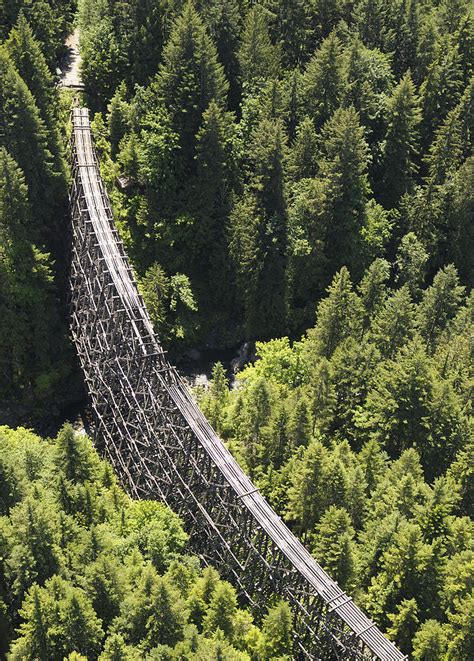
(404, 624)
(118, 118)
(277, 631)
(373, 288)
(440, 90)
(105, 61)
(337, 316)
(369, 81)
(401, 142)
(215, 179)
(73, 455)
(430, 641)
(30, 63)
(189, 78)
(276, 447)
(334, 547)
(322, 86)
(291, 29)
(306, 495)
(307, 229)
(24, 135)
(343, 168)
(398, 405)
(352, 367)
(373, 461)
(302, 158)
(224, 22)
(259, 235)
(31, 335)
(222, 608)
(445, 151)
(394, 325)
(258, 57)
(439, 304)
(300, 424)
(165, 624)
(370, 20)
(80, 629)
(411, 261)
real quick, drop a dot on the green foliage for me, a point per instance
(349, 136)
(359, 435)
(401, 142)
(113, 587)
(348, 150)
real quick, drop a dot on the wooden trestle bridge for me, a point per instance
(162, 446)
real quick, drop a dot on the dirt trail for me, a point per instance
(71, 76)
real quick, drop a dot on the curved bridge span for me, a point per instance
(162, 446)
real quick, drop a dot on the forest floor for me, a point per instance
(70, 65)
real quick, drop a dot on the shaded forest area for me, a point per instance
(37, 372)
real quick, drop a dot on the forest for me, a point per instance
(293, 174)
(88, 573)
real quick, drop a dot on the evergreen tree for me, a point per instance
(439, 304)
(33, 358)
(30, 63)
(307, 495)
(373, 461)
(105, 62)
(300, 424)
(370, 21)
(290, 29)
(73, 455)
(302, 159)
(426, 50)
(221, 612)
(165, 624)
(337, 316)
(430, 641)
(352, 367)
(334, 547)
(404, 624)
(277, 631)
(401, 142)
(322, 86)
(276, 447)
(394, 325)
(118, 117)
(189, 78)
(258, 57)
(81, 629)
(308, 264)
(369, 82)
(411, 261)
(259, 235)
(343, 168)
(446, 150)
(224, 22)
(24, 135)
(440, 90)
(214, 182)
(373, 288)
(398, 405)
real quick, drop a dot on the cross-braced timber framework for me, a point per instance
(162, 446)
